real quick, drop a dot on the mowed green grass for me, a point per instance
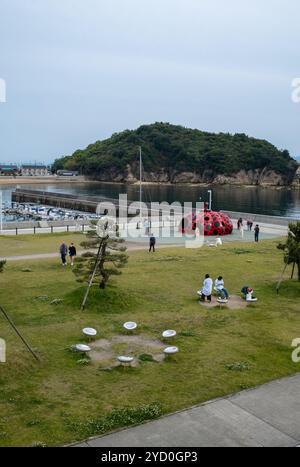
(19, 245)
(51, 401)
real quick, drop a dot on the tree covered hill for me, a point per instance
(176, 154)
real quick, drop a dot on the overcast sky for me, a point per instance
(79, 70)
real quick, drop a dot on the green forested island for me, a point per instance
(175, 154)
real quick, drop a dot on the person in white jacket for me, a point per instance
(207, 288)
(220, 288)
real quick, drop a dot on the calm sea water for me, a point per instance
(282, 202)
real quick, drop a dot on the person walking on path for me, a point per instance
(147, 227)
(249, 225)
(63, 253)
(207, 289)
(240, 223)
(72, 253)
(256, 233)
(152, 244)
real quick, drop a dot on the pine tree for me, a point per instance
(2, 264)
(292, 247)
(109, 257)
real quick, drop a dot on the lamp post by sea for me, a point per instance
(210, 199)
(1, 211)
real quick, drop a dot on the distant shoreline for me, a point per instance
(201, 185)
(7, 181)
(41, 180)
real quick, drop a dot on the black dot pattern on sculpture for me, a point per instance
(212, 223)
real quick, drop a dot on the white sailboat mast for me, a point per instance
(141, 174)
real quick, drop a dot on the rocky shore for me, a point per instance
(264, 178)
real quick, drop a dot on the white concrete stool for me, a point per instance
(169, 334)
(171, 351)
(82, 348)
(125, 360)
(89, 332)
(130, 326)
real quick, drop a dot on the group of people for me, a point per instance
(66, 250)
(250, 223)
(207, 289)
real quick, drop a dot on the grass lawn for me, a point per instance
(20, 245)
(59, 400)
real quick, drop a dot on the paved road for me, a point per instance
(268, 416)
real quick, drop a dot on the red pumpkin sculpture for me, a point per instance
(210, 223)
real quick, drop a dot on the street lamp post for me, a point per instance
(210, 199)
(1, 212)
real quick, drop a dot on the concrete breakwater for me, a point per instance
(59, 200)
(261, 218)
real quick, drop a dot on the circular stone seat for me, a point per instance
(171, 350)
(125, 360)
(90, 332)
(130, 326)
(82, 348)
(222, 301)
(168, 334)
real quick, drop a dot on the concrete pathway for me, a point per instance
(142, 244)
(130, 247)
(268, 416)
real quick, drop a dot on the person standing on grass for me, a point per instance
(207, 289)
(72, 253)
(63, 253)
(152, 243)
(256, 233)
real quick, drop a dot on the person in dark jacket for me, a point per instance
(256, 233)
(63, 253)
(152, 243)
(72, 253)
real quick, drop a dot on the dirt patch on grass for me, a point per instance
(105, 351)
(234, 303)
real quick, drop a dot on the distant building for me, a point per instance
(28, 170)
(8, 169)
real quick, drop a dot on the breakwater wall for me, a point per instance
(262, 218)
(59, 200)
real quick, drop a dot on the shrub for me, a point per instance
(146, 358)
(118, 418)
(239, 366)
